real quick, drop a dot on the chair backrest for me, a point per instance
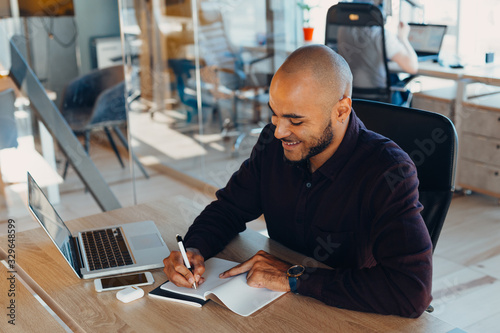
(430, 140)
(216, 50)
(356, 32)
(80, 94)
(183, 69)
(109, 108)
(8, 129)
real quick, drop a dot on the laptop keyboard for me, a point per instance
(106, 248)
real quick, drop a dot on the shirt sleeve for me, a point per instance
(393, 45)
(236, 204)
(400, 280)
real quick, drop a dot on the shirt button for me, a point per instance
(308, 185)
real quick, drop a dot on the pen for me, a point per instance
(184, 255)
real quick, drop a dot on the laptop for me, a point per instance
(426, 40)
(100, 252)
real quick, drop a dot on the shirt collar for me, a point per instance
(345, 150)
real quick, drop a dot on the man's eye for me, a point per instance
(295, 123)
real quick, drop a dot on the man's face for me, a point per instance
(299, 149)
(303, 122)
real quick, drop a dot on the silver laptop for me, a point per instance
(426, 40)
(107, 251)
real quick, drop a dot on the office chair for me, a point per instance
(356, 31)
(431, 142)
(8, 129)
(96, 101)
(225, 73)
(183, 72)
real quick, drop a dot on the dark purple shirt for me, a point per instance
(358, 213)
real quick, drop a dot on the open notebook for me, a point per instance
(233, 292)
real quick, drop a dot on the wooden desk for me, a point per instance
(488, 74)
(83, 309)
(28, 314)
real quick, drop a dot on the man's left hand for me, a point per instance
(264, 271)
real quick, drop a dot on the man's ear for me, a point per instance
(344, 109)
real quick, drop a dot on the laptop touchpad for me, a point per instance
(143, 242)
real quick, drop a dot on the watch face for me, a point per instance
(296, 270)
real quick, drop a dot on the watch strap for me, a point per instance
(293, 282)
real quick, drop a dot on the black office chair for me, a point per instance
(356, 31)
(431, 141)
(96, 101)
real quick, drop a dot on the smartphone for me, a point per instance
(122, 281)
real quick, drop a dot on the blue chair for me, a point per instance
(96, 101)
(8, 129)
(183, 71)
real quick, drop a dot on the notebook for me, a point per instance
(426, 40)
(107, 251)
(233, 292)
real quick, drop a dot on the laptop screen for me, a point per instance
(47, 216)
(426, 38)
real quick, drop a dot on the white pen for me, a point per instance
(184, 255)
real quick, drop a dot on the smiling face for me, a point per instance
(303, 124)
(309, 99)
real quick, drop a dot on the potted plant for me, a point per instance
(307, 29)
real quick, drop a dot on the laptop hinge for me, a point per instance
(78, 255)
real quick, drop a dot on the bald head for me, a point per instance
(328, 69)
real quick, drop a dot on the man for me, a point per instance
(325, 185)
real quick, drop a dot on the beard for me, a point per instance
(319, 146)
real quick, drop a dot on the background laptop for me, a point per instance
(126, 248)
(426, 40)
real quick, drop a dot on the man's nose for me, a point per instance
(282, 129)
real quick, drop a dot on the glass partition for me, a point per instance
(182, 83)
(197, 76)
(61, 102)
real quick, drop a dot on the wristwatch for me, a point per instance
(293, 274)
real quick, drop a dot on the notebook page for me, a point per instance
(242, 299)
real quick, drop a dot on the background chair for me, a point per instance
(8, 131)
(226, 74)
(96, 101)
(356, 31)
(183, 70)
(431, 141)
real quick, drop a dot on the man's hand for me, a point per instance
(179, 274)
(264, 271)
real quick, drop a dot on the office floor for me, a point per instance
(466, 281)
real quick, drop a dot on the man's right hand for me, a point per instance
(179, 274)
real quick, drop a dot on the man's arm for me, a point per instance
(220, 221)
(236, 204)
